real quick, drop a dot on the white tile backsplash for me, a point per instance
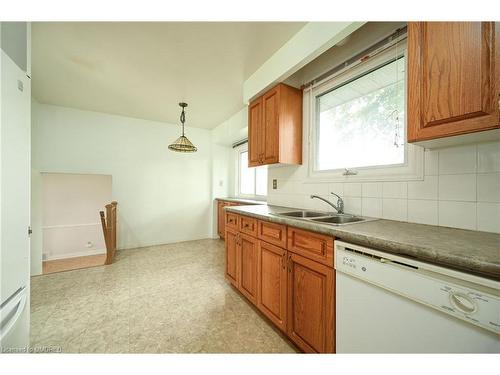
(431, 162)
(426, 189)
(457, 214)
(352, 189)
(371, 207)
(371, 190)
(352, 205)
(488, 217)
(488, 157)
(395, 209)
(395, 190)
(423, 211)
(458, 160)
(488, 187)
(457, 187)
(461, 188)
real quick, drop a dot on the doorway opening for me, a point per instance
(72, 234)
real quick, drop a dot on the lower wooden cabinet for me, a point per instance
(311, 304)
(272, 283)
(295, 292)
(247, 262)
(221, 218)
(231, 266)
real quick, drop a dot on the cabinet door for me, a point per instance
(255, 133)
(272, 283)
(453, 78)
(311, 302)
(220, 219)
(270, 119)
(248, 252)
(231, 247)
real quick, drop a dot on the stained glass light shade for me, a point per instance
(182, 144)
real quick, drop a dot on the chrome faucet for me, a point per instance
(340, 202)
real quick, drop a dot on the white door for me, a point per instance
(15, 112)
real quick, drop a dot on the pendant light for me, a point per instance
(182, 144)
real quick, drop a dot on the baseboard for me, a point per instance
(76, 254)
(153, 244)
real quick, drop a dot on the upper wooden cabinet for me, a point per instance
(275, 127)
(453, 79)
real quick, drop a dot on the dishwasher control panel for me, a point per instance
(473, 303)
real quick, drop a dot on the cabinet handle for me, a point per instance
(323, 248)
(289, 263)
(283, 260)
(246, 225)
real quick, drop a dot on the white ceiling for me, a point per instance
(143, 70)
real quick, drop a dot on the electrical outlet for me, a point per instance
(90, 244)
(275, 184)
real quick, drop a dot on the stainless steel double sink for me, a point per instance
(323, 217)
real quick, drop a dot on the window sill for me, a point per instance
(412, 170)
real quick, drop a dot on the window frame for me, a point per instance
(238, 151)
(411, 169)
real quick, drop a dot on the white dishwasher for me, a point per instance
(389, 304)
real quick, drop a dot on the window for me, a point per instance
(356, 121)
(361, 123)
(252, 181)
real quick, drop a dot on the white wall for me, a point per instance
(223, 136)
(71, 223)
(162, 196)
(36, 240)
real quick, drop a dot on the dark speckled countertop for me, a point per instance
(471, 251)
(241, 200)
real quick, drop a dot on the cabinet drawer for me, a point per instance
(248, 225)
(231, 220)
(272, 233)
(315, 246)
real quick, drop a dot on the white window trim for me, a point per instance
(413, 167)
(237, 151)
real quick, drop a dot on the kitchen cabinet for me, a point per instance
(221, 217)
(453, 82)
(272, 283)
(247, 263)
(275, 127)
(221, 227)
(241, 253)
(311, 303)
(231, 247)
(295, 287)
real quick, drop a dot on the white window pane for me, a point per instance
(261, 180)
(361, 123)
(247, 175)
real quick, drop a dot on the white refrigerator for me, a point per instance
(15, 134)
